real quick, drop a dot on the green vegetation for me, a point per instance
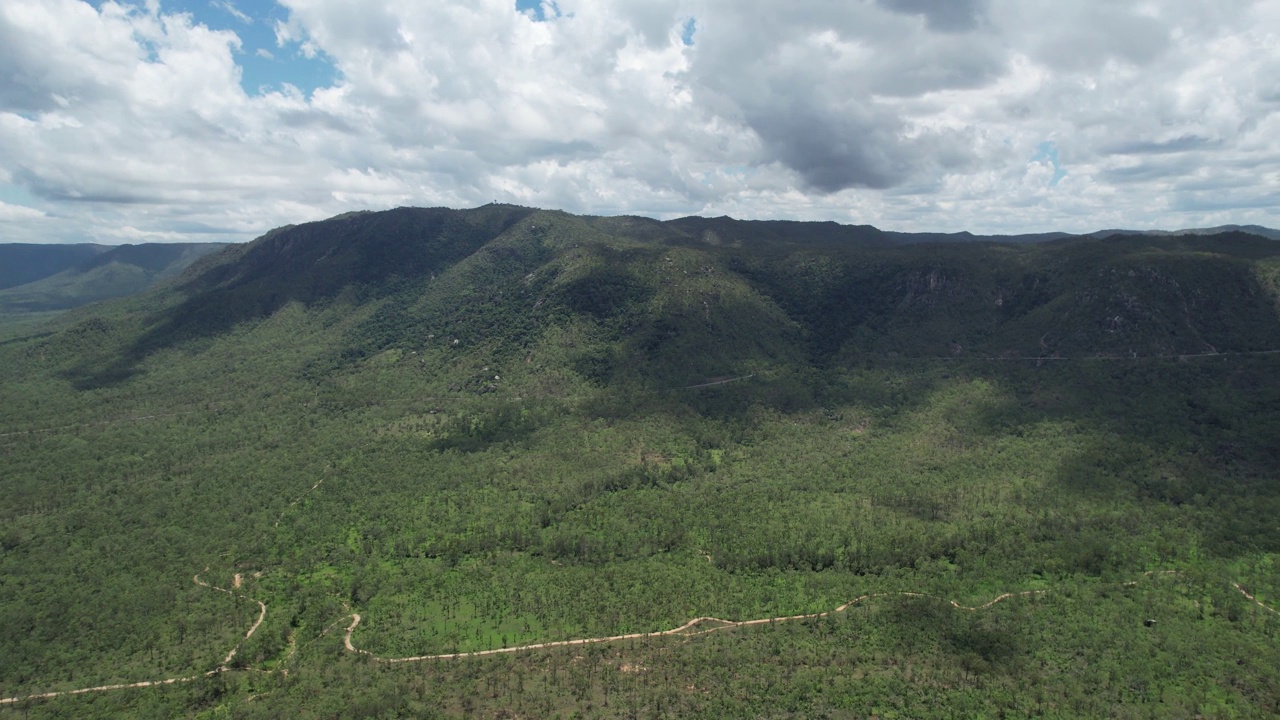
(477, 430)
(44, 278)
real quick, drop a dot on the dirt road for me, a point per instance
(692, 628)
(262, 614)
(718, 624)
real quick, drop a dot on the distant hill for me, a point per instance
(21, 263)
(59, 277)
(1258, 230)
(714, 230)
(711, 230)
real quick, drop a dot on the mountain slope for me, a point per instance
(21, 263)
(636, 300)
(101, 273)
(1070, 297)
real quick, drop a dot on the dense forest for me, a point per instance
(479, 430)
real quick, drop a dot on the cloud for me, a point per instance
(825, 97)
(130, 234)
(910, 114)
(9, 213)
(227, 7)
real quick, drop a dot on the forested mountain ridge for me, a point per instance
(693, 297)
(42, 278)
(1260, 231)
(491, 428)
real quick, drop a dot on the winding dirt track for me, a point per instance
(717, 624)
(262, 614)
(102, 688)
(1245, 593)
(687, 630)
(726, 381)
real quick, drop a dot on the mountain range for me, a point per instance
(512, 462)
(44, 277)
(708, 296)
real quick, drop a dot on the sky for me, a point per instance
(217, 120)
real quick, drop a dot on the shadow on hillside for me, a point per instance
(1193, 437)
(358, 256)
(1160, 455)
(1070, 298)
(1163, 456)
(1197, 437)
(470, 433)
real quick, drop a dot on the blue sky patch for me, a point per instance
(687, 30)
(535, 10)
(1047, 152)
(264, 66)
(17, 195)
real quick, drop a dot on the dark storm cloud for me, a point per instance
(833, 150)
(822, 85)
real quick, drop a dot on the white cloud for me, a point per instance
(235, 12)
(904, 113)
(130, 234)
(11, 213)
